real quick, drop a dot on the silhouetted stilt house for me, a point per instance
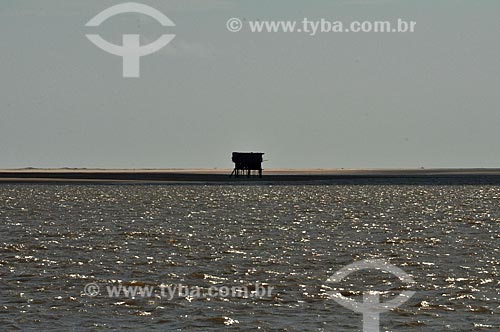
(247, 162)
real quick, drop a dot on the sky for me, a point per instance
(332, 100)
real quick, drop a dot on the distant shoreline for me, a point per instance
(484, 176)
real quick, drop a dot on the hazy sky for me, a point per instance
(358, 100)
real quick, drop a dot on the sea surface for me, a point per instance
(288, 239)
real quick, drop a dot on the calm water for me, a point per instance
(56, 239)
